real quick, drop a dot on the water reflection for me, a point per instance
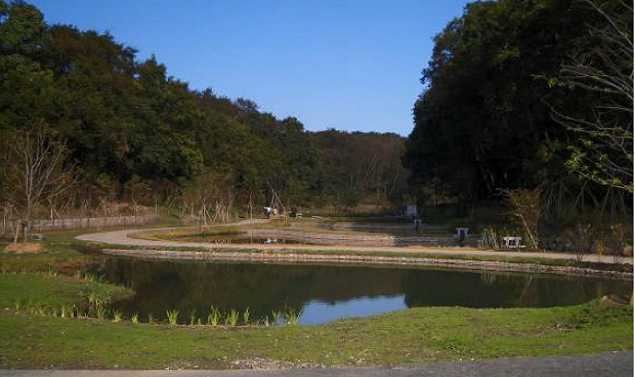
(325, 293)
(316, 312)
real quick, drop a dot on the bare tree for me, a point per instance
(605, 152)
(34, 170)
(212, 193)
(524, 208)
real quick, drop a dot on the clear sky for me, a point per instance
(352, 65)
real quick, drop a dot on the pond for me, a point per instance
(323, 293)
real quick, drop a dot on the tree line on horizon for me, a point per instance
(124, 130)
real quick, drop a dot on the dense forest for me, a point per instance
(533, 94)
(117, 129)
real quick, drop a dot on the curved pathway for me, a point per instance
(123, 237)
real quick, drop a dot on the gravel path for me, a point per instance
(123, 237)
(614, 364)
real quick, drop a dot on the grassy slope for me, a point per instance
(52, 291)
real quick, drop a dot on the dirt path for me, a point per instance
(123, 237)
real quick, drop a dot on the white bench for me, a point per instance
(512, 242)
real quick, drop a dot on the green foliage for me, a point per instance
(275, 315)
(360, 166)
(292, 316)
(214, 316)
(142, 136)
(117, 316)
(602, 68)
(173, 316)
(484, 121)
(246, 317)
(232, 318)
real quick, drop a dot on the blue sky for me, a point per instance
(352, 65)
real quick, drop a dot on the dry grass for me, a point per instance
(24, 248)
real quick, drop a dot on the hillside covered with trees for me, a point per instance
(534, 95)
(122, 129)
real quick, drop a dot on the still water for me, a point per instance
(327, 293)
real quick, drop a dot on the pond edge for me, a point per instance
(368, 259)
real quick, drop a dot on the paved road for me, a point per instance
(122, 237)
(615, 364)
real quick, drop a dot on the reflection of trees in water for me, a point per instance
(261, 287)
(491, 289)
(186, 286)
(490, 278)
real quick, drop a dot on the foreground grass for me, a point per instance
(409, 336)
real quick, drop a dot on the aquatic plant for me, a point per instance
(117, 316)
(275, 316)
(63, 311)
(246, 316)
(172, 316)
(232, 318)
(192, 317)
(135, 318)
(264, 321)
(100, 312)
(151, 319)
(214, 316)
(292, 316)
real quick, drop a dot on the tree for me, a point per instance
(25, 85)
(482, 123)
(604, 149)
(524, 208)
(35, 171)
